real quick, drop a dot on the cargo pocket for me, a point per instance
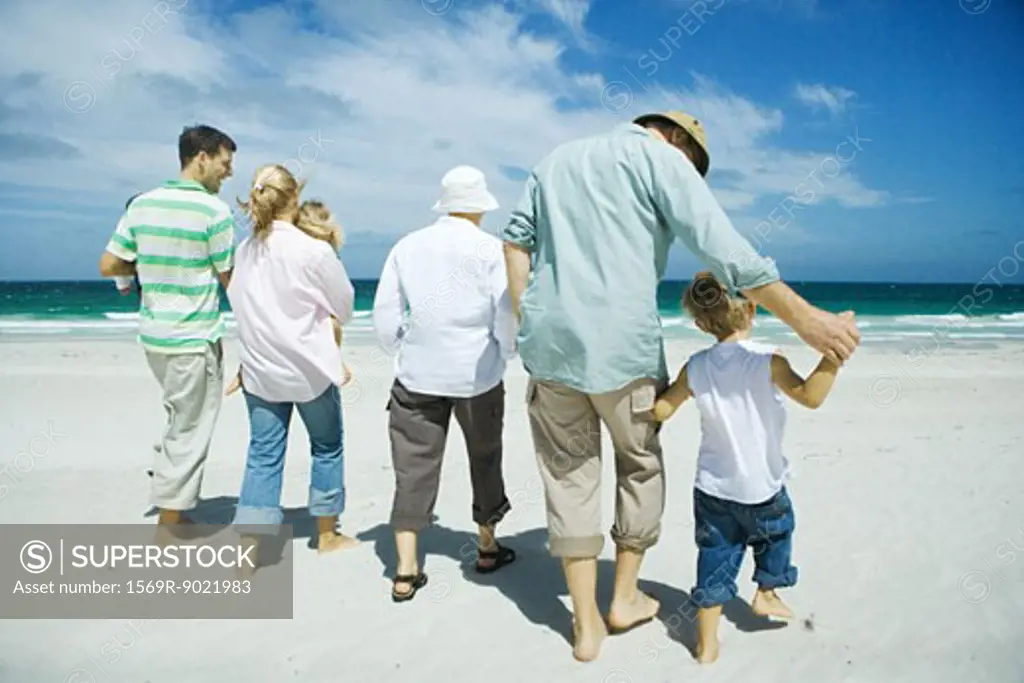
(641, 399)
(641, 405)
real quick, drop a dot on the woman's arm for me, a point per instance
(669, 401)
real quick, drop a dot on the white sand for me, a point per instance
(907, 505)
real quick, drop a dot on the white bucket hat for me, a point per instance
(464, 190)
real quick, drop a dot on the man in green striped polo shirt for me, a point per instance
(179, 239)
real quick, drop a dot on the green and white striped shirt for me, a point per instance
(180, 237)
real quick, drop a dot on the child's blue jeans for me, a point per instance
(723, 529)
(260, 500)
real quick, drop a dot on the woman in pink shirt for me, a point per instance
(285, 288)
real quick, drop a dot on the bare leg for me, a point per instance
(171, 517)
(589, 629)
(707, 634)
(408, 564)
(629, 606)
(166, 520)
(330, 539)
(243, 570)
(767, 603)
(486, 542)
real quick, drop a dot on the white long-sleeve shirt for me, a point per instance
(442, 308)
(283, 291)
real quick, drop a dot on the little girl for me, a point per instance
(315, 220)
(739, 496)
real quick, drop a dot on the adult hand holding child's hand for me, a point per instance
(835, 336)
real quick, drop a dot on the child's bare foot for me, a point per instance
(768, 604)
(624, 616)
(332, 540)
(707, 652)
(588, 634)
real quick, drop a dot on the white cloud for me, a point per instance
(573, 14)
(372, 101)
(835, 99)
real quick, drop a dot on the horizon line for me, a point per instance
(662, 281)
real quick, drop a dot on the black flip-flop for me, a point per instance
(501, 556)
(415, 582)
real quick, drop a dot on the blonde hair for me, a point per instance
(274, 196)
(711, 307)
(316, 220)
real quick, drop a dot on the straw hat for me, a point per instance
(690, 125)
(464, 190)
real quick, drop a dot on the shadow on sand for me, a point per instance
(535, 582)
(211, 515)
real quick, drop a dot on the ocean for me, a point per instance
(985, 312)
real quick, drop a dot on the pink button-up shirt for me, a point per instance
(283, 291)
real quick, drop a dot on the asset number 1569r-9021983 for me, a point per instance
(196, 586)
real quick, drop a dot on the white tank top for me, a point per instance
(742, 416)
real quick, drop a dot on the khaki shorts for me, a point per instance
(565, 424)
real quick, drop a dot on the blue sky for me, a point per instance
(896, 126)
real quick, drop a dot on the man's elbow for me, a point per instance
(111, 266)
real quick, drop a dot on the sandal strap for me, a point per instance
(497, 552)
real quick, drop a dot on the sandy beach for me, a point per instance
(909, 537)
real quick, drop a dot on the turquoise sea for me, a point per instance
(986, 311)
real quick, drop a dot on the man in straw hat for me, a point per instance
(594, 226)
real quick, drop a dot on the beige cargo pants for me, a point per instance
(565, 425)
(192, 385)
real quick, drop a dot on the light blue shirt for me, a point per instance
(599, 215)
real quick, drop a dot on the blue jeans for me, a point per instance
(723, 529)
(260, 500)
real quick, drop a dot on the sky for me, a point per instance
(852, 140)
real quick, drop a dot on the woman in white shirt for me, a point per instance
(285, 287)
(452, 348)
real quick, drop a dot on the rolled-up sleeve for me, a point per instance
(691, 212)
(521, 228)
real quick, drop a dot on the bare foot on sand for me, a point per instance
(332, 540)
(768, 604)
(625, 616)
(707, 653)
(588, 634)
